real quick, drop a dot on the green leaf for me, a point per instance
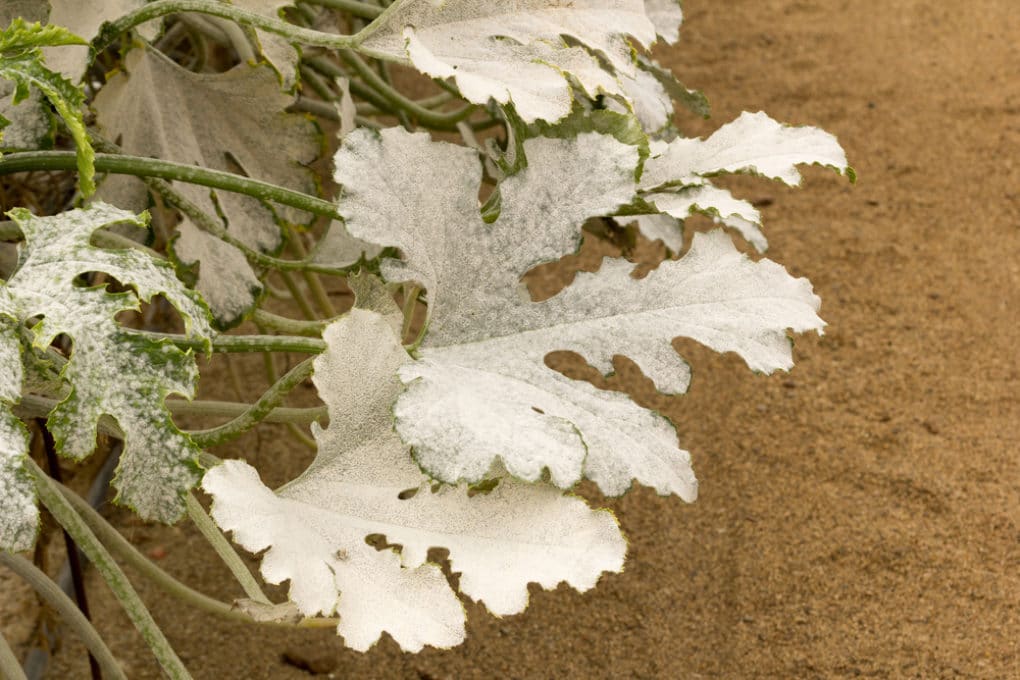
(111, 371)
(21, 61)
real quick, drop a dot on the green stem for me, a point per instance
(258, 411)
(65, 515)
(51, 593)
(35, 406)
(111, 30)
(237, 344)
(152, 167)
(396, 99)
(10, 667)
(318, 291)
(298, 295)
(285, 324)
(225, 551)
(358, 9)
(127, 553)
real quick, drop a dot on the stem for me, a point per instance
(318, 291)
(32, 405)
(167, 583)
(73, 557)
(284, 324)
(65, 515)
(298, 296)
(396, 99)
(111, 30)
(119, 164)
(56, 598)
(223, 548)
(10, 667)
(236, 344)
(358, 9)
(258, 411)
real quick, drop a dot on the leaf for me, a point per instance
(231, 121)
(665, 228)
(21, 61)
(111, 371)
(277, 50)
(85, 17)
(516, 51)
(676, 177)
(19, 516)
(667, 16)
(753, 143)
(480, 394)
(363, 482)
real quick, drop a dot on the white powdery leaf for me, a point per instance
(339, 249)
(719, 204)
(30, 120)
(19, 516)
(481, 396)
(276, 49)
(652, 104)
(231, 121)
(514, 51)
(752, 143)
(110, 371)
(665, 228)
(83, 18)
(667, 16)
(226, 282)
(315, 527)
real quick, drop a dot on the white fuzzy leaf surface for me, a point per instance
(30, 121)
(667, 16)
(752, 143)
(481, 396)
(514, 50)
(276, 49)
(231, 121)
(83, 18)
(19, 516)
(313, 529)
(676, 177)
(110, 370)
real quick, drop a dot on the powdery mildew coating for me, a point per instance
(110, 371)
(314, 527)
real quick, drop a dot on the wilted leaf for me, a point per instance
(231, 121)
(364, 483)
(19, 517)
(111, 371)
(84, 17)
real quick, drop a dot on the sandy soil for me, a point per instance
(859, 516)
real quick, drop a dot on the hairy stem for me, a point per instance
(68, 610)
(236, 344)
(10, 667)
(285, 324)
(225, 551)
(152, 167)
(353, 7)
(258, 411)
(65, 515)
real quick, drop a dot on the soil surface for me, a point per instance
(859, 516)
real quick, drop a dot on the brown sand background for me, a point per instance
(858, 516)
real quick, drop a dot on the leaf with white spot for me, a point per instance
(111, 371)
(231, 121)
(481, 397)
(515, 52)
(364, 482)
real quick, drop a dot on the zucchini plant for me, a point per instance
(196, 127)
